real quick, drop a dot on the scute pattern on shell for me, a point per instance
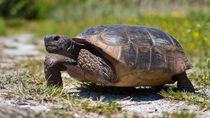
(145, 48)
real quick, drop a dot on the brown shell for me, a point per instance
(145, 48)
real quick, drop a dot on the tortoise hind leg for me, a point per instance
(183, 83)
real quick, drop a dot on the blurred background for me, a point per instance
(187, 20)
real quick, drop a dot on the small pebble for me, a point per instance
(21, 103)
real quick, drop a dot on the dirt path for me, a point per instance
(148, 104)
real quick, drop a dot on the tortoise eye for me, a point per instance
(56, 38)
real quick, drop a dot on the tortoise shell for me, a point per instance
(138, 51)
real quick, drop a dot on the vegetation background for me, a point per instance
(187, 20)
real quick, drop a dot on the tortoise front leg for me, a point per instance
(98, 67)
(183, 83)
(52, 66)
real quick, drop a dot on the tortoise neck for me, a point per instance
(74, 49)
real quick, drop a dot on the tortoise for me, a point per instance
(118, 55)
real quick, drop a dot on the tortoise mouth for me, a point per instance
(51, 48)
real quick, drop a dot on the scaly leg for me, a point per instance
(183, 83)
(96, 66)
(52, 66)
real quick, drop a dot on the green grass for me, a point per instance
(31, 85)
(2, 26)
(192, 98)
(179, 115)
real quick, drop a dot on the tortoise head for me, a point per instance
(62, 45)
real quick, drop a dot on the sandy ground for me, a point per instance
(149, 103)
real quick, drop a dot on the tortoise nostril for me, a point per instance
(56, 38)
